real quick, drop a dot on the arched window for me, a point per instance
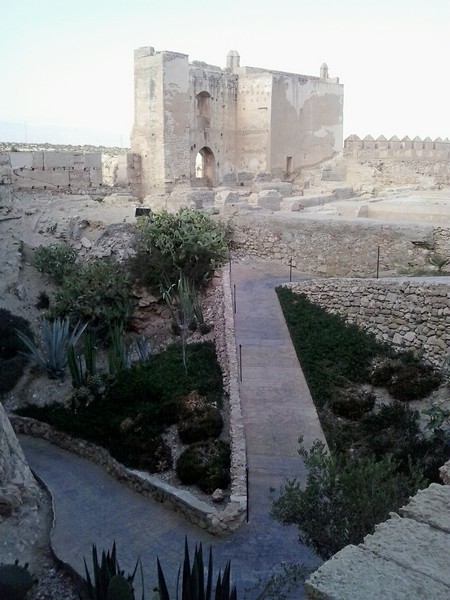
(204, 109)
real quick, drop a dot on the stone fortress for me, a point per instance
(205, 125)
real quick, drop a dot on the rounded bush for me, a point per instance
(200, 425)
(382, 370)
(142, 446)
(414, 382)
(206, 464)
(352, 403)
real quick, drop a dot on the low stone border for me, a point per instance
(218, 521)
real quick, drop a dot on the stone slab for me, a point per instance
(355, 573)
(431, 506)
(413, 545)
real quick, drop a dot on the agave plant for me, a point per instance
(119, 351)
(79, 371)
(51, 353)
(194, 585)
(108, 581)
(144, 348)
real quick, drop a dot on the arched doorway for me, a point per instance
(205, 166)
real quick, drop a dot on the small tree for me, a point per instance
(343, 498)
(170, 244)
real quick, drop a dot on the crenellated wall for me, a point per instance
(405, 149)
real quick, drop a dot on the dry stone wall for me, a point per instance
(408, 313)
(340, 247)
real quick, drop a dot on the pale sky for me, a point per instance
(66, 67)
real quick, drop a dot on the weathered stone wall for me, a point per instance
(62, 171)
(339, 247)
(408, 313)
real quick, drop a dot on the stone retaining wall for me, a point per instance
(339, 247)
(215, 519)
(409, 313)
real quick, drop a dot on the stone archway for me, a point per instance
(205, 166)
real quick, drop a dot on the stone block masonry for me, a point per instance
(409, 313)
(66, 171)
(340, 247)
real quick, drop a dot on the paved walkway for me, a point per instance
(91, 507)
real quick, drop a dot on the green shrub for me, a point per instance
(12, 361)
(98, 293)
(352, 402)
(15, 581)
(206, 464)
(406, 377)
(414, 382)
(142, 447)
(187, 242)
(200, 424)
(57, 261)
(343, 498)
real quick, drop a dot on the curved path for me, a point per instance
(91, 507)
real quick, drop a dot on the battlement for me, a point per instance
(382, 148)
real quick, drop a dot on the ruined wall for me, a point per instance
(253, 122)
(212, 122)
(306, 122)
(78, 172)
(408, 313)
(339, 247)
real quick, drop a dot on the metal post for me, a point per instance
(240, 363)
(248, 499)
(378, 261)
(290, 269)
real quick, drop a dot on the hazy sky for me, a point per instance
(67, 67)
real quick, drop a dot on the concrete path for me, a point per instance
(91, 507)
